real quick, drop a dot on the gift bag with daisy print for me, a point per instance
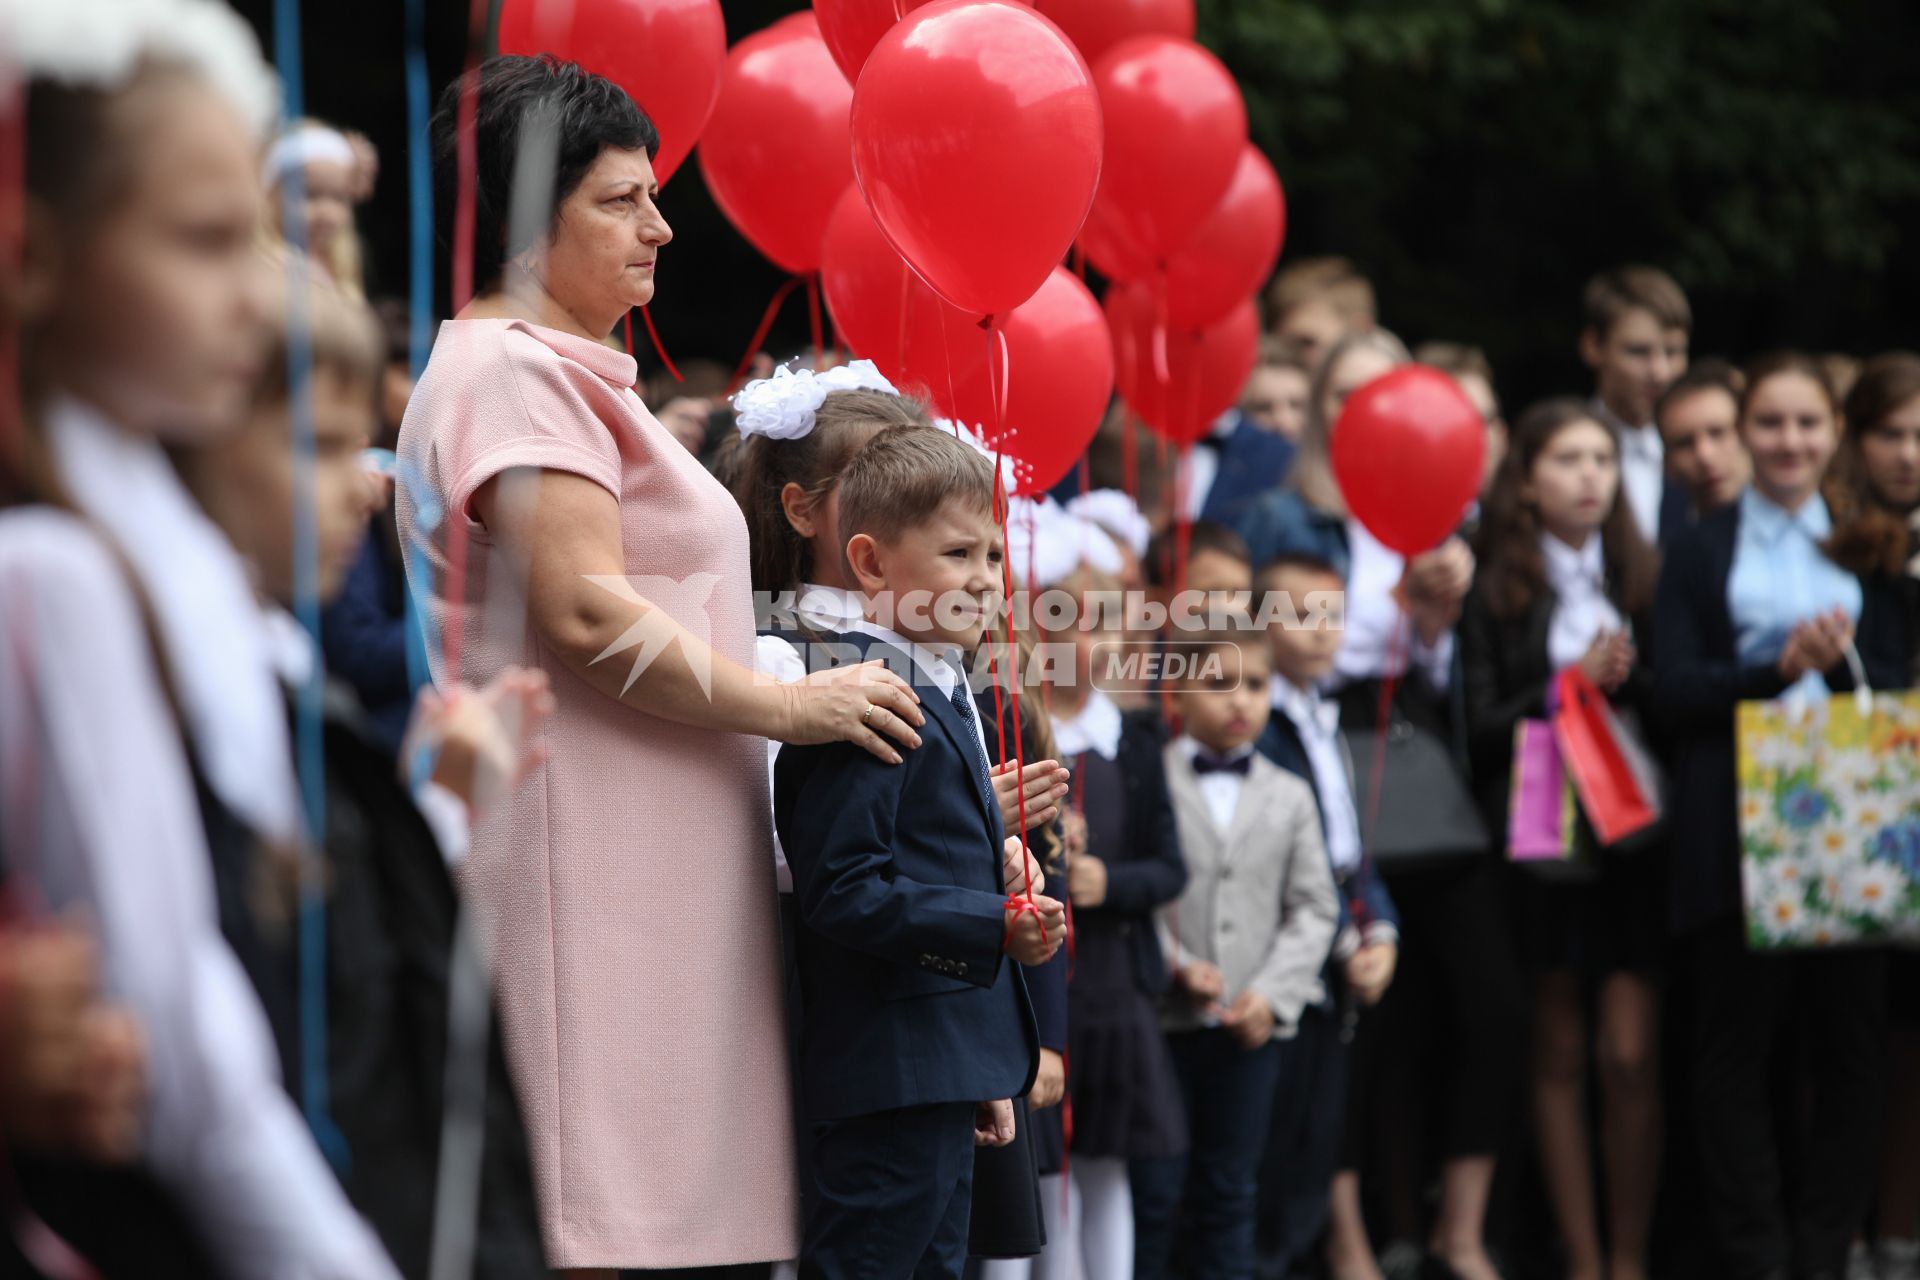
(1830, 820)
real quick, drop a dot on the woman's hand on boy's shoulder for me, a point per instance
(857, 703)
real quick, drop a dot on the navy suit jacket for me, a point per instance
(1253, 462)
(908, 1000)
(1698, 682)
(1280, 743)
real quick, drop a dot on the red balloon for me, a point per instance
(1059, 354)
(977, 142)
(1407, 450)
(867, 285)
(777, 153)
(1176, 125)
(1235, 249)
(1056, 378)
(1097, 25)
(1203, 372)
(666, 54)
(852, 27)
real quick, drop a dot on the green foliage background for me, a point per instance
(1481, 157)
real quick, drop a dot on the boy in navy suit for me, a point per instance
(1303, 736)
(916, 1031)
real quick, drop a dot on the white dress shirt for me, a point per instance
(1581, 610)
(942, 667)
(1318, 723)
(1220, 790)
(825, 609)
(1374, 616)
(1643, 468)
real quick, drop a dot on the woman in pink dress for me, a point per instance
(626, 894)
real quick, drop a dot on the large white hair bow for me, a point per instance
(782, 407)
(99, 44)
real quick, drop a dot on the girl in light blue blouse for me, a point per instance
(1750, 607)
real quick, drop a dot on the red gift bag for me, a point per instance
(1613, 774)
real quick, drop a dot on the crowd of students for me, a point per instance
(559, 909)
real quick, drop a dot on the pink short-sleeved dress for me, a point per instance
(627, 889)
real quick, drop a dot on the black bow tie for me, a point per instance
(1205, 762)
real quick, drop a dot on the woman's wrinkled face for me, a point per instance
(598, 259)
(150, 307)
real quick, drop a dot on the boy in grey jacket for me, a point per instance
(1247, 941)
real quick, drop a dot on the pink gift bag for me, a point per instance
(1541, 814)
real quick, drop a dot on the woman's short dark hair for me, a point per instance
(588, 113)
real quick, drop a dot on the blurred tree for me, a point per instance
(1481, 157)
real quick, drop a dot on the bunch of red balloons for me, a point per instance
(936, 160)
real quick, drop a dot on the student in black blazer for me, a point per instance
(914, 1031)
(1566, 579)
(1749, 607)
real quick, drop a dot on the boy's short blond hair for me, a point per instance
(1612, 294)
(342, 332)
(1334, 281)
(899, 479)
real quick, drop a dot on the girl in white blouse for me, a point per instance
(1564, 574)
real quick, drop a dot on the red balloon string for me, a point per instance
(813, 320)
(842, 350)
(467, 159)
(467, 193)
(906, 307)
(1003, 391)
(946, 357)
(760, 334)
(659, 349)
(1022, 902)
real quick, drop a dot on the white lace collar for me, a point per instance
(212, 631)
